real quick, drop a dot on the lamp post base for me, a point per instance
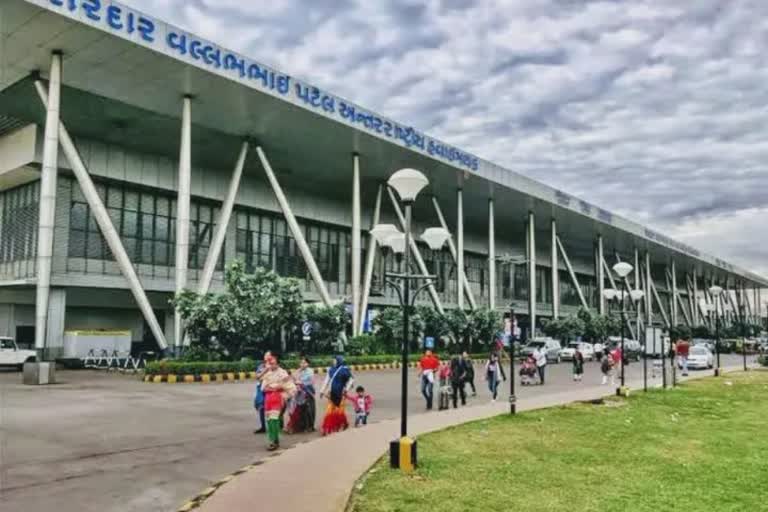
(622, 391)
(717, 372)
(403, 454)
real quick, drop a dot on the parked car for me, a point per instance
(12, 356)
(699, 357)
(551, 346)
(586, 349)
(708, 344)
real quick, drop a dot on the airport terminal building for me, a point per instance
(137, 159)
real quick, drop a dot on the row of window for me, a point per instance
(19, 223)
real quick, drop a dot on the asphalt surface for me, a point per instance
(108, 442)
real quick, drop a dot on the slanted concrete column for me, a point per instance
(182, 207)
(491, 256)
(47, 211)
(356, 244)
(600, 276)
(648, 290)
(460, 248)
(370, 260)
(555, 272)
(674, 294)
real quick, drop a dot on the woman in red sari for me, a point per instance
(337, 382)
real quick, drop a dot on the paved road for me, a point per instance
(99, 442)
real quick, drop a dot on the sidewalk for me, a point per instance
(318, 476)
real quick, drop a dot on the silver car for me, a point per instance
(550, 345)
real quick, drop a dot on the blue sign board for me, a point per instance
(429, 342)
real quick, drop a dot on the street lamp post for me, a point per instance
(512, 397)
(622, 269)
(407, 183)
(715, 291)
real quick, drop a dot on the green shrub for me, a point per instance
(763, 360)
(247, 365)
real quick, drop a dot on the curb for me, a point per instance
(240, 376)
(205, 494)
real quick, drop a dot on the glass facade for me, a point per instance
(18, 230)
(146, 222)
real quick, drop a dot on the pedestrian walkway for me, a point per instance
(318, 476)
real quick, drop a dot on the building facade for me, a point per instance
(137, 160)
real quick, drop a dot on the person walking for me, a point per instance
(444, 393)
(578, 366)
(301, 414)
(458, 379)
(278, 387)
(337, 382)
(606, 366)
(683, 349)
(541, 363)
(469, 371)
(429, 364)
(494, 374)
(258, 397)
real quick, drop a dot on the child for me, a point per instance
(362, 403)
(528, 371)
(445, 385)
(606, 366)
(578, 366)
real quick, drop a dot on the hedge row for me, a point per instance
(204, 367)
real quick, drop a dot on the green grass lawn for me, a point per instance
(699, 447)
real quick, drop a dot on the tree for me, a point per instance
(565, 329)
(702, 331)
(458, 325)
(247, 316)
(680, 331)
(435, 323)
(388, 326)
(484, 323)
(327, 323)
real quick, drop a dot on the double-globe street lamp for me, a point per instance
(716, 291)
(407, 183)
(622, 270)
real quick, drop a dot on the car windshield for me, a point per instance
(699, 351)
(573, 345)
(536, 344)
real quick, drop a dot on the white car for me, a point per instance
(12, 356)
(699, 357)
(586, 349)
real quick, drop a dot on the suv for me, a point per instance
(12, 356)
(551, 346)
(633, 350)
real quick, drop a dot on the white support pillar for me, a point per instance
(696, 316)
(532, 272)
(648, 298)
(415, 251)
(182, 208)
(555, 264)
(452, 249)
(370, 261)
(460, 249)
(491, 256)
(658, 303)
(600, 276)
(99, 212)
(571, 273)
(293, 225)
(356, 244)
(46, 218)
(638, 286)
(221, 226)
(674, 294)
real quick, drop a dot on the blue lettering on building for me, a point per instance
(119, 18)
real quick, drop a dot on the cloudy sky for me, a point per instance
(654, 109)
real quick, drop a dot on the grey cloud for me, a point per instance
(654, 109)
